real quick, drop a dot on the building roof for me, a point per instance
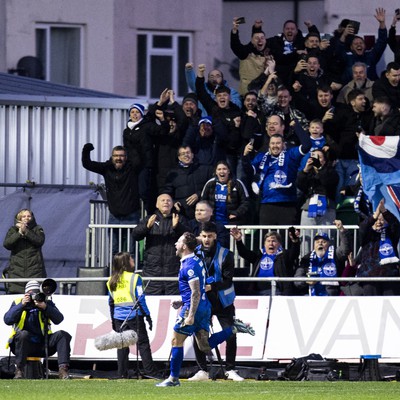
(22, 90)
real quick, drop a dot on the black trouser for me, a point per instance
(137, 324)
(225, 318)
(23, 347)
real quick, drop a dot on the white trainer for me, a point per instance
(199, 376)
(233, 375)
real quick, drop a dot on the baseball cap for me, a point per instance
(321, 235)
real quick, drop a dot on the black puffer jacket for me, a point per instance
(26, 259)
(160, 257)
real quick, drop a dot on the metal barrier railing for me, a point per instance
(100, 241)
(64, 282)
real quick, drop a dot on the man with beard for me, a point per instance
(161, 230)
(194, 317)
(276, 172)
(219, 267)
(215, 79)
(121, 180)
(360, 81)
(325, 261)
(386, 121)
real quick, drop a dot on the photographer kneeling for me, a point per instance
(28, 316)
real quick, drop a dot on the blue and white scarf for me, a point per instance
(317, 206)
(386, 251)
(362, 199)
(324, 267)
(279, 176)
(266, 268)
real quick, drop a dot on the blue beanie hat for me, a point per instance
(138, 107)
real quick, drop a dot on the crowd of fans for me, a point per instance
(282, 150)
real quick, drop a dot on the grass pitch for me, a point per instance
(97, 389)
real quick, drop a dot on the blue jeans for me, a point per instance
(130, 219)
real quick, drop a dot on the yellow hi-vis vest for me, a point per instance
(20, 325)
(124, 295)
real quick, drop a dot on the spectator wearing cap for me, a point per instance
(29, 318)
(253, 56)
(215, 79)
(138, 137)
(223, 110)
(207, 141)
(325, 261)
(190, 106)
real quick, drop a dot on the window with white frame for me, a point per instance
(59, 48)
(161, 59)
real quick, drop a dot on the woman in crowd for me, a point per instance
(25, 240)
(227, 196)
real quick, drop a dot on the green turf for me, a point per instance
(215, 390)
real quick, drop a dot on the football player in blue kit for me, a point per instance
(194, 317)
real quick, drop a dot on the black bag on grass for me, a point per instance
(310, 368)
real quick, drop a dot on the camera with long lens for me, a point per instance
(47, 288)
